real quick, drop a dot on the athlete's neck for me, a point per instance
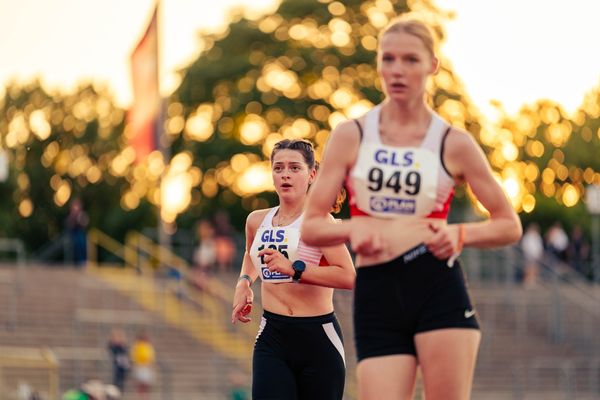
(405, 113)
(289, 210)
(286, 216)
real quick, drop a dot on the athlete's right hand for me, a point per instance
(365, 237)
(242, 303)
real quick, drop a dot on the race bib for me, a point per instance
(285, 240)
(392, 182)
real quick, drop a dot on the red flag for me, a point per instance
(143, 116)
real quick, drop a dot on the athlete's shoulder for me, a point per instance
(348, 130)
(255, 218)
(458, 138)
(352, 129)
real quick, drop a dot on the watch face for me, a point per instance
(299, 265)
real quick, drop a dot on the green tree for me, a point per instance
(60, 147)
(297, 72)
(558, 158)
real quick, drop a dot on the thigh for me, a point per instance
(272, 377)
(324, 373)
(322, 381)
(447, 360)
(387, 377)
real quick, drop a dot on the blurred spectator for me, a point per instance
(25, 392)
(205, 255)
(77, 222)
(75, 394)
(225, 244)
(96, 390)
(117, 346)
(532, 245)
(112, 392)
(175, 282)
(557, 241)
(143, 358)
(93, 390)
(579, 251)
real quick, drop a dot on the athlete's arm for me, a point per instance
(318, 229)
(339, 273)
(466, 161)
(244, 296)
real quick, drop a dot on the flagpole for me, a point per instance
(164, 238)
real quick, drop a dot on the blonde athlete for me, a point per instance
(400, 163)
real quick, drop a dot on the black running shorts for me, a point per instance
(413, 293)
(298, 358)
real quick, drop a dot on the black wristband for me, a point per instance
(246, 277)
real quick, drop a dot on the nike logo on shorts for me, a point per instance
(469, 313)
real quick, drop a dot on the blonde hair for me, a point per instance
(409, 23)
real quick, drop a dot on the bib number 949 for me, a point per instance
(409, 183)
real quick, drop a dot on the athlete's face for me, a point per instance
(404, 64)
(291, 174)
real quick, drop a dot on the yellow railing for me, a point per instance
(147, 257)
(211, 298)
(31, 358)
(136, 244)
(97, 238)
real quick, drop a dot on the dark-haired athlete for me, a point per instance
(299, 351)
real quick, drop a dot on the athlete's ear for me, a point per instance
(435, 65)
(311, 176)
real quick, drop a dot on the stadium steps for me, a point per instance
(55, 309)
(204, 322)
(518, 358)
(56, 305)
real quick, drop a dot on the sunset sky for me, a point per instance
(512, 51)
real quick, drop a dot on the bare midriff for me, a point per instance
(399, 236)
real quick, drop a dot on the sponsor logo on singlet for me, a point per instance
(392, 205)
(273, 236)
(272, 276)
(394, 158)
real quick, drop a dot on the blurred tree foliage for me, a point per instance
(298, 72)
(60, 147)
(557, 156)
(295, 73)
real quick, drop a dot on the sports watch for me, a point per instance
(299, 266)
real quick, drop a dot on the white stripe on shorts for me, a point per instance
(335, 339)
(261, 327)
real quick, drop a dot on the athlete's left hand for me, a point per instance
(276, 262)
(442, 243)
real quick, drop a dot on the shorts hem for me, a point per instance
(387, 353)
(437, 328)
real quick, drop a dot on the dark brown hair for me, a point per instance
(303, 146)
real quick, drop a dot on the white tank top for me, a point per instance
(392, 181)
(286, 240)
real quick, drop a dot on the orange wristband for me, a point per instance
(461, 238)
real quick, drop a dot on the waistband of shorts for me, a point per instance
(405, 258)
(317, 319)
